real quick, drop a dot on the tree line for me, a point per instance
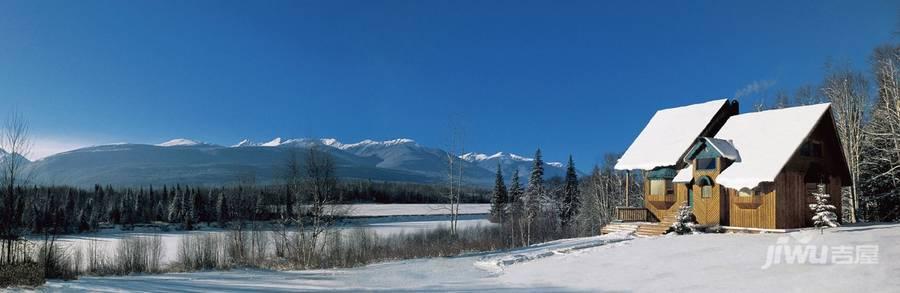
(866, 110)
(560, 206)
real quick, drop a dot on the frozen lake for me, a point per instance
(382, 220)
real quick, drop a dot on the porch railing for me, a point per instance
(632, 214)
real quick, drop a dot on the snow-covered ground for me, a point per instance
(700, 263)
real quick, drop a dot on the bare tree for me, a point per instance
(293, 189)
(848, 92)
(604, 190)
(455, 166)
(320, 202)
(15, 140)
(880, 173)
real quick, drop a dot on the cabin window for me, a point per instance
(706, 186)
(811, 148)
(745, 192)
(706, 164)
(661, 187)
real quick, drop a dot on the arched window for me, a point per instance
(706, 185)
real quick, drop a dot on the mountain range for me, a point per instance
(186, 161)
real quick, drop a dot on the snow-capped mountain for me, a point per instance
(510, 162)
(182, 142)
(188, 161)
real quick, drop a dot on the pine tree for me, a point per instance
(499, 198)
(86, 218)
(69, 222)
(124, 207)
(516, 205)
(198, 207)
(259, 210)
(571, 195)
(534, 194)
(99, 210)
(288, 202)
(187, 206)
(175, 207)
(141, 208)
(222, 211)
(684, 222)
(824, 212)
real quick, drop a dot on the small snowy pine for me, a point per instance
(824, 212)
(684, 223)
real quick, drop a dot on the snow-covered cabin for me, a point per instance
(752, 170)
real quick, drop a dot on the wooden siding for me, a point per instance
(794, 198)
(661, 205)
(710, 210)
(755, 211)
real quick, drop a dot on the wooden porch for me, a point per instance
(639, 221)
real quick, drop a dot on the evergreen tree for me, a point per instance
(515, 192)
(187, 209)
(222, 211)
(99, 210)
(125, 207)
(685, 221)
(86, 217)
(259, 210)
(499, 198)
(288, 202)
(141, 208)
(824, 212)
(534, 194)
(199, 207)
(160, 212)
(571, 196)
(175, 207)
(68, 220)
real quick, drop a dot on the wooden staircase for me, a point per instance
(614, 227)
(658, 228)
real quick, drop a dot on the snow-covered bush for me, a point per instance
(824, 212)
(685, 222)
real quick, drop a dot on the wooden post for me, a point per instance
(627, 185)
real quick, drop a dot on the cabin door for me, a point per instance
(690, 195)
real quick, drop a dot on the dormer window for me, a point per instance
(706, 164)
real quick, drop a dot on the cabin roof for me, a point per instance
(668, 135)
(766, 140)
(721, 148)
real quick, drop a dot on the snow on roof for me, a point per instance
(766, 140)
(684, 175)
(668, 135)
(725, 148)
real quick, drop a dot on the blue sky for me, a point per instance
(579, 77)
